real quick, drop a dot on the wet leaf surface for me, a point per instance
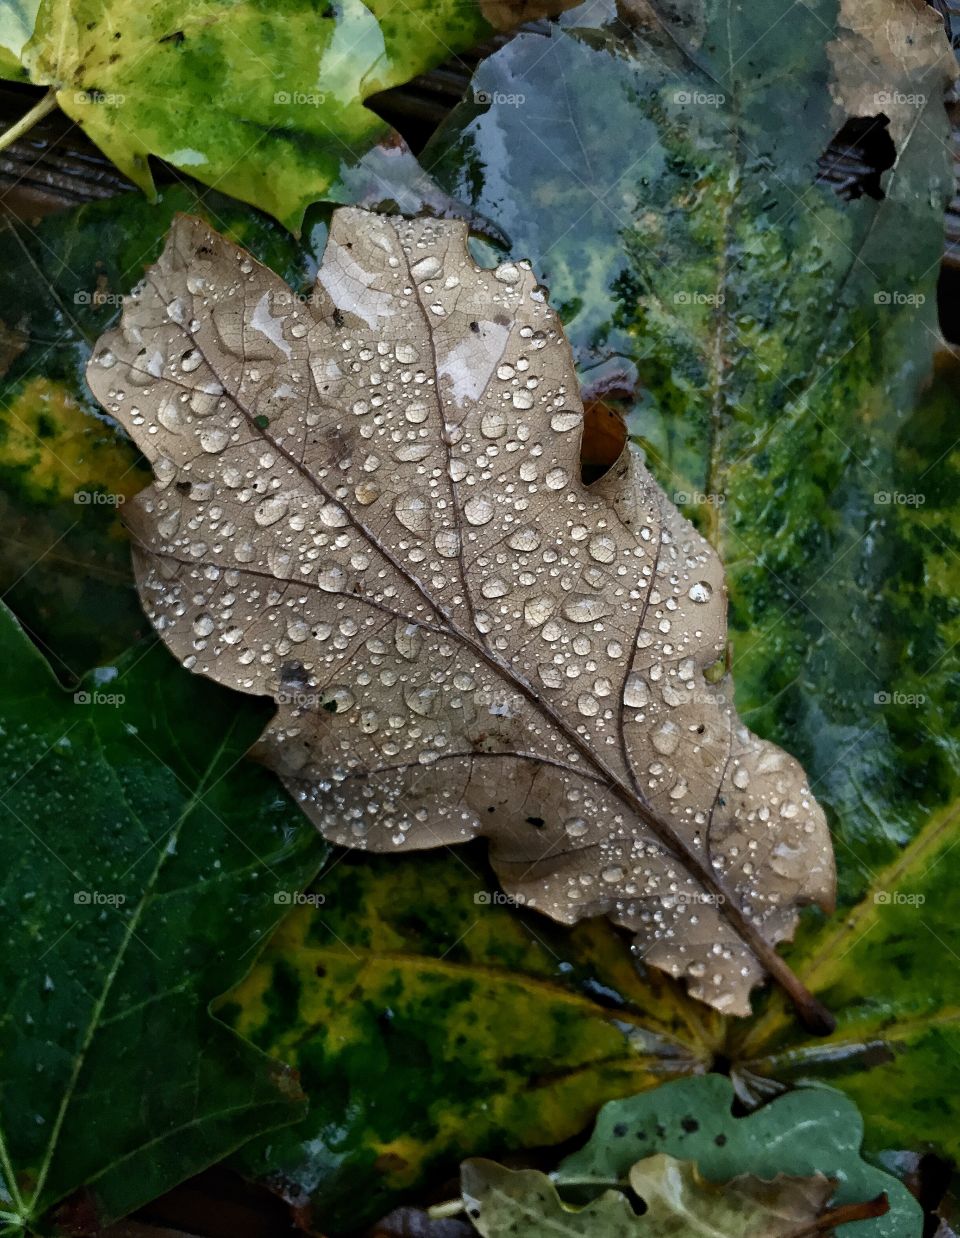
(428, 1021)
(65, 468)
(63, 591)
(368, 507)
(813, 1131)
(141, 862)
(265, 104)
(889, 963)
(775, 337)
(821, 466)
(678, 1203)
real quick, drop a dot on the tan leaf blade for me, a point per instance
(369, 507)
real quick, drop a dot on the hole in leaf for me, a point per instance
(858, 154)
(604, 427)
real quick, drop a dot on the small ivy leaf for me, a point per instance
(500, 640)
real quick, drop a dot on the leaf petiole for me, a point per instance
(40, 109)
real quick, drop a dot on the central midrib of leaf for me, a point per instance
(28, 1211)
(675, 846)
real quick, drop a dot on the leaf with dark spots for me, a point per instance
(792, 1171)
(808, 1134)
(482, 629)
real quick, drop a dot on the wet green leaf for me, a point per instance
(426, 1026)
(266, 103)
(811, 1131)
(889, 966)
(774, 338)
(141, 858)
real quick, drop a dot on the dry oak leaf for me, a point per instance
(369, 506)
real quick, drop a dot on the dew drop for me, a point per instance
(423, 701)
(584, 608)
(412, 512)
(493, 424)
(478, 510)
(666, 738)
(494, 587)
(270, 510)
(447, 542)
(602, 549)
(702, 591)
(408, 640)
(337, 699)
(526, 539)
(214, 439)
(426, 268)
(538, 610)
(331, 578)
(565, 420)
(636, 694)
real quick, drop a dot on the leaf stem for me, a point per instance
(40, 109)
(845, 1214)
(451, 1208)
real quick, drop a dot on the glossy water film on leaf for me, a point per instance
(266, 103)
(370, 508)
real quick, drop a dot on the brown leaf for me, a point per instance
(509, 14)
(370, 508)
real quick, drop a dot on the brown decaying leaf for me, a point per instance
(369, 506)
(508, 14)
